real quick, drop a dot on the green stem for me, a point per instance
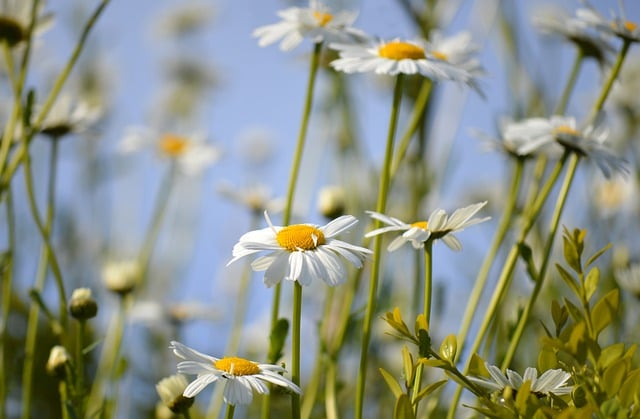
(295, 348)
(80, 390)
(571, 83)
(381, 205)
(597, 107)
(7, 277)
(230, 411)
(426, 311)
(483, 273)
(330, 399)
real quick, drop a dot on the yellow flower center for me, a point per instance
(565, 129)
(630, 26)
(173, 145)
(420, 224)
(397, 50)
(237, 366)
(322, 18)
(439, 55)
(300, 237)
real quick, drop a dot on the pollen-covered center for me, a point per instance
(237, 366)
(439, 55)
(630, 26)
(322, 18)
(397, 50)
(173, 145)
(565, 129)
(420, 224)
(300, 237)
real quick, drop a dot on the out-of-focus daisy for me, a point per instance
(59, 360)
(550, 382)
(69, 116)
(629, 278)
(184, 19)
(538, 132)
(121, 276)
(241, 376)
(459, 50)
(439, 226)
(617, 26)
(256, 197)
(301, 252)
(15, 17)
(316, 22)
(332, 201)
(170, 390)
(554, 22)
(190, 152)
(511, 141)
(615, 195)
(398, 57)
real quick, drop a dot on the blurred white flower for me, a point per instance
(316, 22)
(438, 227)
(69, 116)
(241, 376)
(629, 278)
(256, 197)
(15, 17)
(617, 25)
(121, 276)
(185, 18)
(170, 390)
(190, 152)
(459, 50)
(612, 196)
(550, 382)
(332, 201)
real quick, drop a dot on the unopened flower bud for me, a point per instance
(121, 277)
(332, 201)
(82, 305)
(58, 360)
(170, 390)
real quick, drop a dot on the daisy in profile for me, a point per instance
(510, 141)
(69, 116)
(15, 17)
(190, 152)
(550, 382)
(439, 226)
(617, 26)
(563, 130)
(241, 376)
(301, 252)
(316, 22)
(401, 57)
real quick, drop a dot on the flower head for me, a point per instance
(301, 252)
(59, 360)
(68, 116)
(402, 57)
(439, 226)
(82, 305)
(629, 278)
(241, 376)
(316, 22)
(121, 276)
(190, 152)
(541, 132)
(550, 382)
(617, 26)
(15, 18)
(170, 390)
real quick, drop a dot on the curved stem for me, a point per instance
(381, 205)
(483, 273)
(561, 107)
(6, 271)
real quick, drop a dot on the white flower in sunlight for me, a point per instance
(459, 50)
(69, 116)
(536, 133)
(316, 22)
(191, 153)
(241, 376)
(439, 226)
(121, 276)
(398, 57)
(301, 252)
(617, 26)
(170, 390)
(554, 22)
(15, 17)
(629, 278)
(512, 141)
(550, 382)
(256, 197)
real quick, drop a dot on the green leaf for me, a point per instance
(630, 388)
(277, 339)
(560, 315)
(610, 354)
(613, 377)
(568, 279)
(449, 348)
(591, 282)
(597, 254)
(393, 384)
(477, 367)
(547, 360)
(428, 390)
(403, 408)
(407, 362)
(522, 396)
(434, 363)
(571, 255)
(526, 255)
(605, 310)
(574, 311)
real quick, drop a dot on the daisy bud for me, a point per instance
(58, 360)
(121, 277)
(82, 305)
(170, 390)
(331, 201)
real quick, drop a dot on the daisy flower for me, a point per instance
(629, 278)
(316, 22)
(399, 57)
(170, 390)
(617, 26)
(510, 141)
(241, 376)
(191, 153)
(256, 197)
(538, 132)
(550, 382)
(69, 116)
(439, 226)
(15, 17)
(301, 252)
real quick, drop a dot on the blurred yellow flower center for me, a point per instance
(237, 366)
(565, 129)
(300, 237)
(173, 145)
(397, 50)
(630, 26)
(322, 18)
(439, 55)
(420, 224)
